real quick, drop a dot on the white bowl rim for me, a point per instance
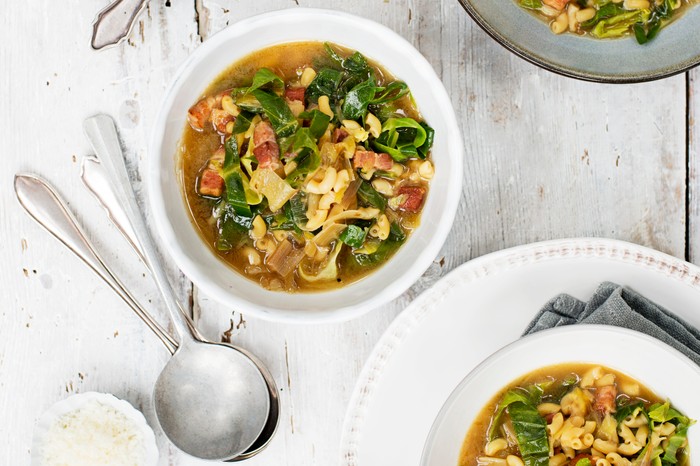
(340, 313)
(77, 401)
(513, 346)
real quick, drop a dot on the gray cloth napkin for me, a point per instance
(622, 307)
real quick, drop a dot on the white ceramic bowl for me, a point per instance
(219, 280)
(75, 402)
(656, 365)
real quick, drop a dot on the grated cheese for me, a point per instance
(95, 434)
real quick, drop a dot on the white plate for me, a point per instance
(475, 310)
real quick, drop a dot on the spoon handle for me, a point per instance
(45, 206)
(115, 22)
(96, 181)
(102, 134)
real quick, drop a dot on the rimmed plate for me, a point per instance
(676, 49)
(475, 310)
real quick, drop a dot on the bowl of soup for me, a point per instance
(596, 40)
(306, 165)
(579, 395)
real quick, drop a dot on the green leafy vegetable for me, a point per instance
(604, 12)
(326, 83)
(266, 78)
(583, 462)
(318, 122)
(531, 431)
(358, 99)
(353, 236)
(249, 103)
(675, 442)
(296, 210)
(233, 177)
(382, 253)
(277, 111)
(619, 25)
(531, 4)
(396, 233)
(512, 396)
(307, 159)
(370, 196)
(393, 91)
(401, 138)
(243, 122)
(232, 229)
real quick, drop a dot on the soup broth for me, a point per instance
(576, 415)
(380, 182)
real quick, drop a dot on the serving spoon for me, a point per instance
(45, 206)
(210, 399)
(96, 181)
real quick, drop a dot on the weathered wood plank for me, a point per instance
(547, 157)
(62, 330)
(693, 140)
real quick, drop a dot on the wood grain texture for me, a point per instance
(693, 139)
(547, 157)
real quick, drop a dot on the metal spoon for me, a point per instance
(211, 400)
(115, 22)
(96, 181)
(45, 206)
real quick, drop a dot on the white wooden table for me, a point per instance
(547, 157)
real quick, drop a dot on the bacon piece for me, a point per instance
(558, 4)
(211, 183)
(411, 198)
(295, 93)
(605, 399)
(220, 118)
(339, 135)
(368, 160)
(200, 113)
(267, 151)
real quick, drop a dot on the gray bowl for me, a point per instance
(676, 49)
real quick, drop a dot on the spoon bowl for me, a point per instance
(211, 400)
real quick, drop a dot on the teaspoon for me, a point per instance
(210, 400)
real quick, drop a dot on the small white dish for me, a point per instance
(664, 370)
(77, 401)
(477, 309)
(171, 217)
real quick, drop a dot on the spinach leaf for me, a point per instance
(358, 99)
(318, 122)
(619, 25)
(531, 431)
(296, 210)
(307, 159)
(355, 63)
(424, 149)
(628, 410)
(531, 4)
(233, 178)
(243, 122)
(512, 396)
(396, 233)
(353, 236)
(401, 138)
(606, 11)
(277, 111)
(249, 103)
(370, 196)
(393, 91)
(232, 229)
(326, 82)
(675, 442)
(384, 251)
(266, 78)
